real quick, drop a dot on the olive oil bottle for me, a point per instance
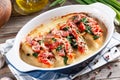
(25, 7)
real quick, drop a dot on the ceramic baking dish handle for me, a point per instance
(110, 13)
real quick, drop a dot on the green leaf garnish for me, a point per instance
(74, 44)
(84, 20)
(40, 42)
(35, 55)
(65, 59)
(59, 48)
(72, 41)
(66, 28)
(95, 37)
(88, 29)
(53, 39)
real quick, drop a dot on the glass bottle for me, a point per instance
(25, 7)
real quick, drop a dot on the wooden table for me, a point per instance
(110, 71)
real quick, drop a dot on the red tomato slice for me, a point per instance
(71, 55)
(61, 52)
(34, 43)
(62, 26)
(71, 24)
(74, 33)
(36, 48)
(45, 58)
(81, 49)
(96, 30)
(45, 61)
(52, 46)
(64, 33)
(81, 27)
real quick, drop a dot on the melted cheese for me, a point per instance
(93, 45)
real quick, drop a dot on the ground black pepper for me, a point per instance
(110, 73)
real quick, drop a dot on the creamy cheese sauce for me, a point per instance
(26, 51)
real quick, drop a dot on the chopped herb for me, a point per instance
(28, 54)
(74, 17)
(95, 37)
(74, 43)
(70, 37)
(35, 55)
(40, 42)
(65, 59)
(66, 28)
(59, 48)
(88, 29)
(84, 20)
(53, 39)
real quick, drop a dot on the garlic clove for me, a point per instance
(2, 61)
(5, 11)
(6, 78)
